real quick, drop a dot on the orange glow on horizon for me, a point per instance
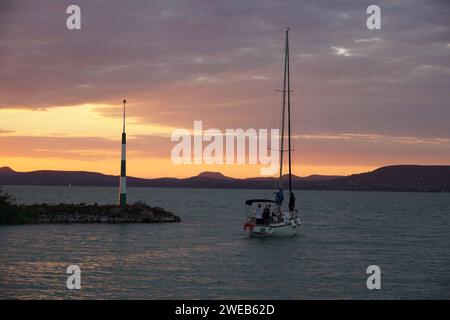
(163, 167)
(87, 138)
(102, 152)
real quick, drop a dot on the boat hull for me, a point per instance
(275, 230)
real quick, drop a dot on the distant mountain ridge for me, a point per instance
(212, 175)
(390, 178)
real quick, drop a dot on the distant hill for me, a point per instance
(318, 177)
(212, 175)
(397, 178)
(390, 178)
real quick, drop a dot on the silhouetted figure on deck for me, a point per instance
(291, 203)
(266, 215)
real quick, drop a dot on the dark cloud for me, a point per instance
(219, 61)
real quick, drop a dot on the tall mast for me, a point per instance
(284, 109)
(123, 174)
(289, 111)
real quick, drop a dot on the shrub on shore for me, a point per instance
(11, 213)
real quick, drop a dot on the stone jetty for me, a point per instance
(94, 213)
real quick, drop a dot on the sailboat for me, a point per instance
(263, 220)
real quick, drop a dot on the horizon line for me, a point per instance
(220, 173)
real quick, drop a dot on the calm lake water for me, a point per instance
(208, 256)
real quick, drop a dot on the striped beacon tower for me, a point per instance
(123, 174)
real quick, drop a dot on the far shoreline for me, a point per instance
(394, 178)
(223, 188)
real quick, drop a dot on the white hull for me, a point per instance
(276, 230)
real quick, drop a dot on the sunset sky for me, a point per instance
(362, 98)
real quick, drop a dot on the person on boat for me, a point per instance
(273, 214)
(291, 204)
(279, 197)
(258, 215)
(266, 214)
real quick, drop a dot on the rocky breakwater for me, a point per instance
(82, 213)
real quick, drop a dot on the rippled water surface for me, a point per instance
(209, 256)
